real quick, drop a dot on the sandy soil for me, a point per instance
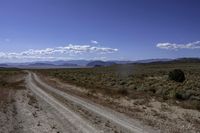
(76, 121)
(161, 116)
(106, 120)
(31, 114)
(58, 107)
(25, 112)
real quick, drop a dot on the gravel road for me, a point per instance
(109, 121)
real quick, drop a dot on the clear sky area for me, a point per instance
(32, 30)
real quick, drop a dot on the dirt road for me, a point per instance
(84, 116)
(38, 104)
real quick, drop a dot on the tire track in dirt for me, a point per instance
(73, 118)
(125, 123)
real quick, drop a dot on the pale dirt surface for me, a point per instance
(76, 121)
(39, 117)
(58, 107)
(7, 116)
(103, 119)
(160, 115)
(23, 111)
(30, 114)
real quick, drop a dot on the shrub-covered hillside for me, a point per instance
(143, 79)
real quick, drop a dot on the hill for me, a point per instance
(100, 63)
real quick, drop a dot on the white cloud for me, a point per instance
(174, 46)
(94, 42)
(57, 52)
(79, 49)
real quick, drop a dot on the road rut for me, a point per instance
(121, 121)
(73, 118)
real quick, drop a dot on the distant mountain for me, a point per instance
(48, 65)
(41, 64)
(68, 64)
(92, 63)
(178, 60)
(122, 62)
(79, 62)
(152, 60)
(3, 65)
(189, 60)
(61, 62)
(100, 63)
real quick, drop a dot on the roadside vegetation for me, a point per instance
(138, 81)
(9, 83)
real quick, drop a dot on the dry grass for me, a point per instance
(137, 81)
(10, 81)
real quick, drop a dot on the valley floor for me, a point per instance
(47, 105)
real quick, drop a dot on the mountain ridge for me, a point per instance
(93, 63)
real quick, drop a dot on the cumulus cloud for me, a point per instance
(50, 53)
(79, 49)
(174, 46)
(94, 42)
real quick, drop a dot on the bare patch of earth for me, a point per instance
(159, 115)
(24, 112)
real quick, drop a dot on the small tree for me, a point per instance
(177, 75)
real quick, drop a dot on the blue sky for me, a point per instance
(98, 29)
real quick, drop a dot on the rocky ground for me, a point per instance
(28, 113)
(30, 104)
(165, 117)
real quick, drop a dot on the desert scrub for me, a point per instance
(9, 84)
(177, 75)
(143, 79)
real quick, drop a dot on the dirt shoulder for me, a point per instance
(80, 126)
(108, 120)
(160, 115)
(21, 111)
(11, 81)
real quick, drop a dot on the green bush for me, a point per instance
(177, 75)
